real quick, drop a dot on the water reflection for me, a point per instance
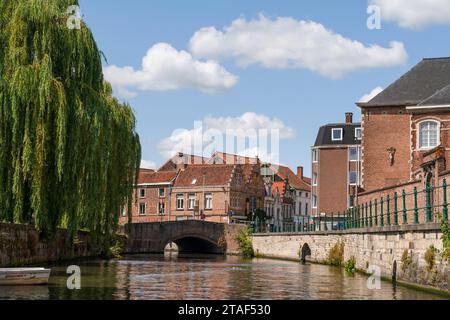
(208, 277)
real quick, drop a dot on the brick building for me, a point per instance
(335, 167)
(405, 132)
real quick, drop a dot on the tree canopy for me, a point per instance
(69, 152)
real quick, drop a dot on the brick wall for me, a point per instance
(384, 128)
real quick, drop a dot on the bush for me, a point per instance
(350, 265)
(336, 254)
(406, 260)
(445, 239)
(430, 256)
(244, 242)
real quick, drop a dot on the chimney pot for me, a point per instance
(349, 117)
(300, 172)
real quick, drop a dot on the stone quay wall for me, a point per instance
(399, 251)
(20, 245)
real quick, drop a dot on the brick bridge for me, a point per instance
(189, 236)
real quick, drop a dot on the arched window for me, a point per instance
(428, 134)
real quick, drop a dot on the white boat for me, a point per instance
(23, 276)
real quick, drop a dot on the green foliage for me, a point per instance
(406, 260)
(117, 248)
(244, 241)
(350, 265)
(445, 239)
(69, 153)
(430, 258)
(336, 254)
(261, 215)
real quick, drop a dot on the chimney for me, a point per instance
(349, 117)
(300, 172)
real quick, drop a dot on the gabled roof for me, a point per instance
(349, 136)
(417, 85)
(224, 158)
(204, 175)
(151, 177)
(442, 97)
(294, 180)
(181, 159)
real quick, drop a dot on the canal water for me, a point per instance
(208, 277)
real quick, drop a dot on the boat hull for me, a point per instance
(24, 276)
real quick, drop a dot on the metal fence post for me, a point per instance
(405, 215)
(370, 208)
(416, 210)
(381, 213)
(395, 209)
(367, 214)
(388, 211)
(332, 214)
(376, 212)
(428, 205)
(445, 204)
(339, 218)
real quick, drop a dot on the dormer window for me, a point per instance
(336, 134)
(358, 133)
(428, 134)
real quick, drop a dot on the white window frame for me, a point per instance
(438, 140)
(337, 129)
(360, 133)
(164, 206)
(315, 179)
(191, 200)
(314, 201)
(163, 192)
(178, 197)
(140, 193)
(357, 154)
(357, 178)
(315, 155)
(145, 209)
(211, 203)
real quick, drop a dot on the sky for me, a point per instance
(196, 68)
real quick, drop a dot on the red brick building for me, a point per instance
(335, 167)
(405, 132)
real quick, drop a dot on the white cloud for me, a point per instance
(147, 164)
(414, 14)
(212, 134)
(289, 43)
(369, 96)
(165, 68)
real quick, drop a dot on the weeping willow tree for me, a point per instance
(69, 153)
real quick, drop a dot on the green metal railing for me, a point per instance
(429, 205)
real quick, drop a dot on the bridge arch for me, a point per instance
(304, 252)
(195, 243)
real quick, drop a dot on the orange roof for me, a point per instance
(181, 158)
(205, 175)
(234, 158)
(294, 181)
(151, 177)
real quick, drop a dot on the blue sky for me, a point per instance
(302, 97)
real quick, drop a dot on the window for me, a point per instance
(142, 193)
(353, 177)
(354, 154)
(351, 201)
(208, 201)
(336, 134)
(124, 212)
(314, 201)
(314, 179)
(142, 208)
(161, 208)
(314, 155)
(306, 208)
(180, 201)
(428, 134)
(191, 202)
(162, 192)
(358, 133)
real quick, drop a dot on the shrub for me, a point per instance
(336, 254)
(445, 239)
(406, 260)
(430, 256)
(244, 242)
(350, 265)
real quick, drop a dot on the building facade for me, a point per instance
(336, 167)
(405, 135)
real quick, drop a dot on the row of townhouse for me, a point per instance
(402, 142)
(221, 188)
